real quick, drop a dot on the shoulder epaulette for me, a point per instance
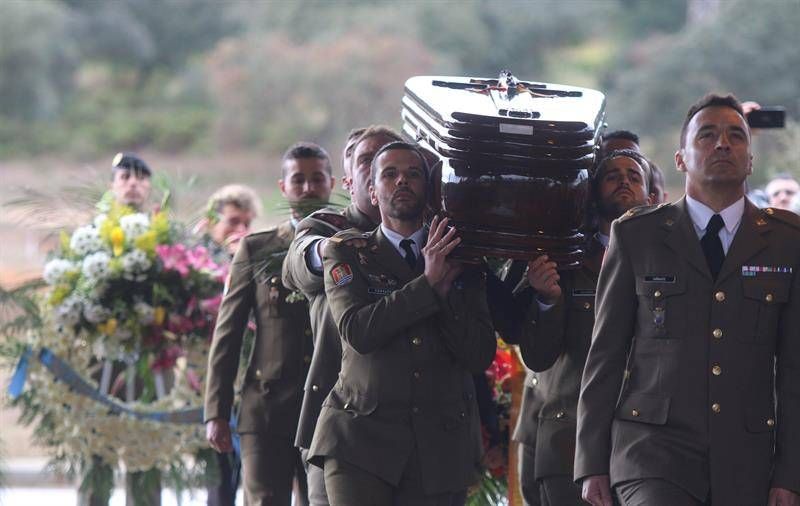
(640, 211)
(347, 237)
(783, 216)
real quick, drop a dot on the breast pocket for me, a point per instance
(763, 300)
(273, 295)
(662, 306)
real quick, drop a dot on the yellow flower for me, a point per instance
(65, 240)
(109, 327)
(160, 225)
(59, 293)
(117, 240)
(146, 242)
(159, 314)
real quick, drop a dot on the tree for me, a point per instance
(38, 55)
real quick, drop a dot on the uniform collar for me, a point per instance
(701, 214)
(418, 237)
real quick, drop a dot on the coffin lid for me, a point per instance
(452, 100)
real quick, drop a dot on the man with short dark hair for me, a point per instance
(624, 139)
(618, 139)
(302, 271)
(401, 427)
(690, 391)
(273, 385)
(130, 180)
(556, 333)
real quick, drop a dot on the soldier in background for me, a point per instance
(695, 340)
(302, 271)
(130, 180)
(273, 386)
(401, 425)
(624, 139)
(556, 333)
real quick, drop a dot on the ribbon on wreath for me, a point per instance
(65, 373)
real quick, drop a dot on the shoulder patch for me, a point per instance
(341, 274)
(640, 211)
(787, 217)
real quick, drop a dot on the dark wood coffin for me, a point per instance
(513, 161)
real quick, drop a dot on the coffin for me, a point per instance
(512, 161)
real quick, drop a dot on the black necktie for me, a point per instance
(712, 245)
(411, 258)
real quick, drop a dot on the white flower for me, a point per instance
(96, 266)
(134, 225)
(135, 262)
(145, 312)
(55, 270)
(69, 312)
(85, 240)
(95, 313)
(99, 220)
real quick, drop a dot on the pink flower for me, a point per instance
(211, 305)
(167, 358)
(174, 258)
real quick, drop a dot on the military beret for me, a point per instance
(131, 162)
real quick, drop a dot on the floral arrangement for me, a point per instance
(131, 296)
(493, 487)
(128, 285)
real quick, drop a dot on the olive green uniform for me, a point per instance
(554, 345)
(692, 380)
(273, 385)
(403, 409)
(327, 358)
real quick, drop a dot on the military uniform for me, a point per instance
(684, 371)
(403, 409)
(272, 389)
(554, 344)
(327, 357)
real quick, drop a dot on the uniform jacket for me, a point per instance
(407, 358)
(282, 348)
(297, 275)
(684, 372)
(554, 344)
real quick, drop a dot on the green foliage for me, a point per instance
(37, 59)
(491, 491)
(749, 52)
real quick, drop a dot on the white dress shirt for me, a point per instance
(417, 239)
(701, 214)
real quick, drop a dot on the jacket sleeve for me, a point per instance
(223, 357)
(602, 376)
(786, 471)
(297, 274)
(365, 325)
(466, 325)
(542, 337)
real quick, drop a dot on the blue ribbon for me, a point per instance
(20, 375)
(63, 372)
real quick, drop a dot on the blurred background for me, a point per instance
(212, 92)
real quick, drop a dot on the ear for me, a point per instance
(373, 197)
(679, 162)
(333, 182)
(282, 186)
(750, 165)
(651, 197)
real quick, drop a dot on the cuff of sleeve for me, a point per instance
(313, 258)
(214, 411)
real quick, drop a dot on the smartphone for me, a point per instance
(767, 117)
